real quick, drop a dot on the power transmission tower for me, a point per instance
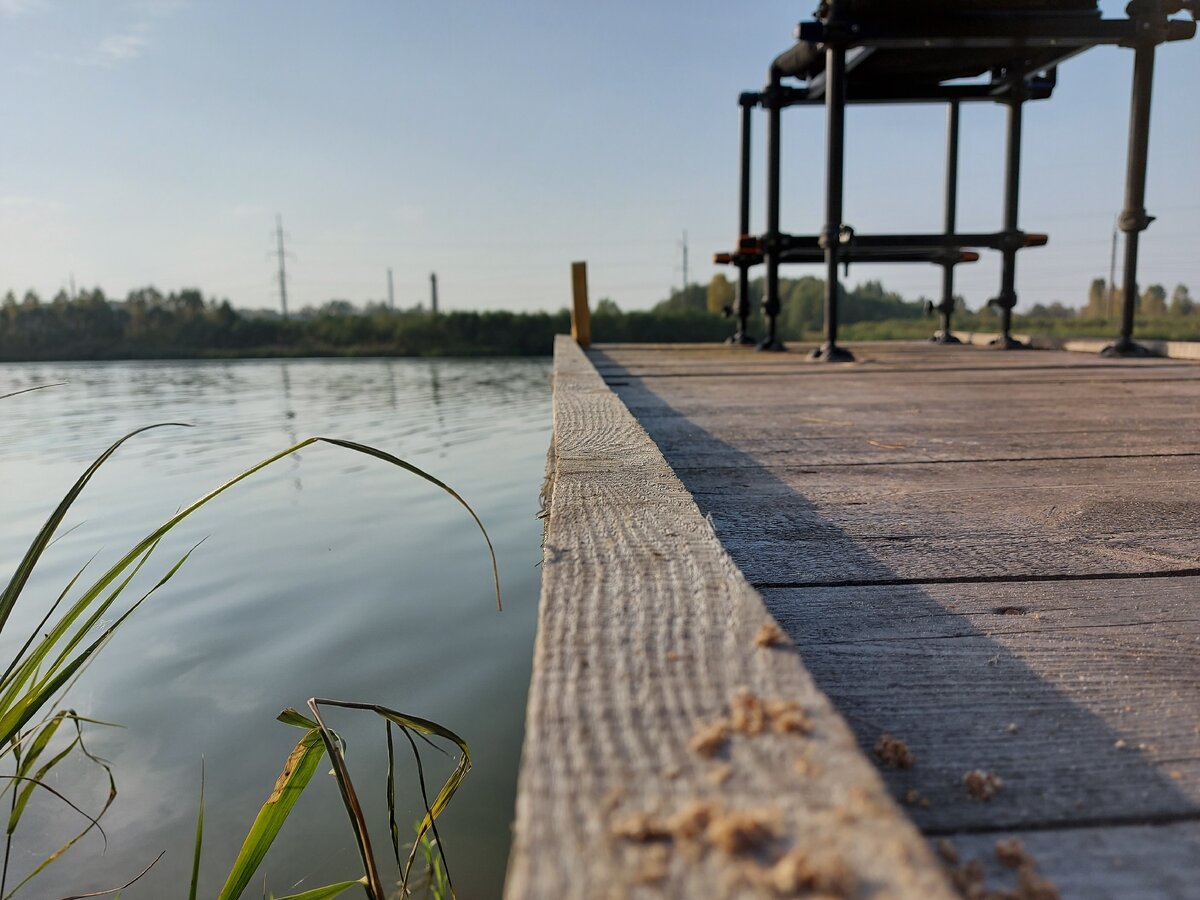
(280, 254)
(391, 294)
(433, 291)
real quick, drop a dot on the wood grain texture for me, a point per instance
(993, 557)
(646, 630)
(1143, 862)
(1083, 696)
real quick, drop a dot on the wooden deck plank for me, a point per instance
(646, 631)
(1099, 680)
(1017, 542)
(1144, 862)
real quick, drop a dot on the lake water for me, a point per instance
(328, 574)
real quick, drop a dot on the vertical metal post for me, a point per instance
(1007, 298)
(742, 303)
(945, 335)
(835, 133)
(771, 302)
(1134, 219)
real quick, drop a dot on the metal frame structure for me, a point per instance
(1023, 51)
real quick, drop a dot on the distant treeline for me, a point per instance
(149, 324)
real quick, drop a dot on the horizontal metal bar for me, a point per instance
(995, 31)
(893, 92)
(990, 240)
(935, 255)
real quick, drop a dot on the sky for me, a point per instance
(153, 142)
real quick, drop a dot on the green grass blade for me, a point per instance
(324, 893)
(426, 727)
(42, 624)
(93, 823)
(421, 473)
(12, 591)
(14, 718)
(199, 840)
(297, 772)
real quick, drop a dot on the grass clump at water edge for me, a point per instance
(72, 632)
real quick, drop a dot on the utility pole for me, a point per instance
(1112, 274)
(433, 292)
(280, 254)
(685, 271)
(391, 294)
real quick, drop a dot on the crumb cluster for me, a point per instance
(981, 785)
(745, 835)
(970, 881)
(751, 716)
(894, 753)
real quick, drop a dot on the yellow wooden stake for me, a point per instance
(581, 317)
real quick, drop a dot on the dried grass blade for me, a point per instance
(358, 821)
(122, 887)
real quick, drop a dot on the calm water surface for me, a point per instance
(329, 574)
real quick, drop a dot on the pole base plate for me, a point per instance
(944, 337)
(741, 339)
(770, 346)
(829, 352)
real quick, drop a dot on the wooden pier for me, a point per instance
(991, 558)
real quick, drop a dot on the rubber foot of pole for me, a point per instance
(944, 337)
(742, 340)
(831, 353)
(1126, 348)
(770, 346)
(1007, 342)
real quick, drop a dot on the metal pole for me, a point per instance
(945, 335)
(1012, 189)
(835, 133)
(771, 304)
(742, 303)
(1134, 219)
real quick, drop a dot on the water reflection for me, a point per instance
(328, 574)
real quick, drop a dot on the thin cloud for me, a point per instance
(10, 9)
(132, 41)
(123, 46)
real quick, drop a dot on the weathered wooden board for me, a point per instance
(935, 522)
(1099, 677)
(1144, 862)
(998, 561)
(646, 631)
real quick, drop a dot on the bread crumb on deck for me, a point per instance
(981, 785)
(894, 753)
(770, 635)
(709, 740)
